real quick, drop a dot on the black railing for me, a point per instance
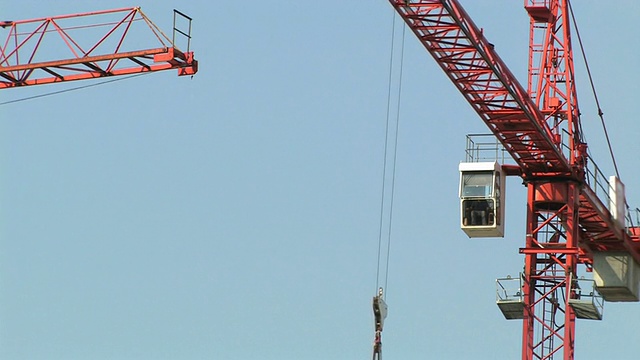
(181, 17)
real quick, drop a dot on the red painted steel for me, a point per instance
(22, 62)
(469, 60)
(540, 128)
(471, 63)
(551, 260)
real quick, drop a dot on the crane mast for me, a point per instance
(567, 222)
(551, 80)
(552, 204)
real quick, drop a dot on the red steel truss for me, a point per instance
(551, 259)
(549, 323)
(23, 63)
(469, 60)
(566, 219)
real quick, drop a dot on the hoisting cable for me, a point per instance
(395, 158)
(593, 90)
(384, 161)
(72, 89)
(595, 96)
(379, 304)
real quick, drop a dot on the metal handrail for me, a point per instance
(484, 147)
(509, 292)
(186, 34)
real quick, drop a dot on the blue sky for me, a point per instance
(235, 215)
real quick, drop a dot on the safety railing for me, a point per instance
(181, 20)
(545, 3)
(585, 300)
(509, 289)
(485, 147)
(510, 297)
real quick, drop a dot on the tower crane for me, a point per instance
(576, 218)
(49, 50)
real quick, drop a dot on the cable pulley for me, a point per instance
(379, 314)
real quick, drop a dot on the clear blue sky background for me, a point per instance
(235, 215)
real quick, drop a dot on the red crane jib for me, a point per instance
(471, 63)
(26, 59)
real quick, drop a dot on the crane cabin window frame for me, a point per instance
(482, 199)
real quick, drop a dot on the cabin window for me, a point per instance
(481, 198)
(480, 212)
(477, 184)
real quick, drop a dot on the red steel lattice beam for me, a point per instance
(22, 62)
(471, 63)
(551, 259)
(469, 60)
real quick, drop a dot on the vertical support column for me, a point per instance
(551, 72)
(573, 233)
(552, 220)
(551, 258)
(529, 281)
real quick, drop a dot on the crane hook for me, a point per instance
(379, 313)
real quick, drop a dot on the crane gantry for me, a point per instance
(575, 217)
(49, 50)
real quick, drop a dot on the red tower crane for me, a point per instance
(49, 50)
(571, 221)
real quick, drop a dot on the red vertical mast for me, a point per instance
(551, 81)
(552, 252)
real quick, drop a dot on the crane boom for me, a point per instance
(469, 60)
(472, 64)
(24, 60)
